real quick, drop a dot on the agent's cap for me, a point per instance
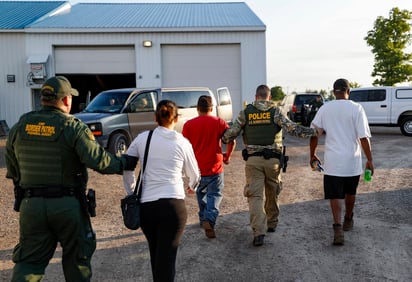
(57, 87)
(205, 102)
(341, 85)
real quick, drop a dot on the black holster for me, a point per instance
(91, 202)
(284, 160)
(18, 197)
(88, 202)
(245, 154)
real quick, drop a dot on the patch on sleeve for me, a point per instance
(90, 134)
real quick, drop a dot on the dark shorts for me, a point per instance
(335, 187)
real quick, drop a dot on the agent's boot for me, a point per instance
(258, 240)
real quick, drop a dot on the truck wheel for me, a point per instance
(406, 126)
(118, 144)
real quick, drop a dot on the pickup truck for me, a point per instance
(117, 116)
(386, 106)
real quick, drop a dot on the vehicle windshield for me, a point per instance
(108, 102)
(184, 99)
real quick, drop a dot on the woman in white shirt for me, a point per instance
(163, 210)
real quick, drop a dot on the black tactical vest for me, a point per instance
(260, 128)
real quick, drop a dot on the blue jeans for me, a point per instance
(209, 197)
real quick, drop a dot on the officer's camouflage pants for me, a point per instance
(263, 185)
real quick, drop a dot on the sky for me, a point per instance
(311, 43)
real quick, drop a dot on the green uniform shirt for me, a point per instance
(51, 148)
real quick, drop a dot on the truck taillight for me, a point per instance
(294, 108)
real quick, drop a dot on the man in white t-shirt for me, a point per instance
(347, 134)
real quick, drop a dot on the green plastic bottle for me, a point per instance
(367, 177)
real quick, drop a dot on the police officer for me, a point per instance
(47, 155)
(261, 124)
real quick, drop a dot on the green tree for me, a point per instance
(389, 39)
(330, 96)
(354, 85)
(277, 93)
(324, 93)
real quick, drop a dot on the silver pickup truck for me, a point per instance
(117, 116)
(386, 106)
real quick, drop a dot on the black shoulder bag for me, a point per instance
(130, 204)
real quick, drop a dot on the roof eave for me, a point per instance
(12, 30)
(141, 30)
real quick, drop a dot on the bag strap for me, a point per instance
(138, 185)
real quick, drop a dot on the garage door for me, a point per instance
(95, 59)
(212, 66)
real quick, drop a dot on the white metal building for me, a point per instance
(114, 45)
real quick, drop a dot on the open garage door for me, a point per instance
(92, 69)
(207, 65)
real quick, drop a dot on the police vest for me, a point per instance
(39, 149)
(260, 128)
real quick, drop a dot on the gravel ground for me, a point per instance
(379, 248)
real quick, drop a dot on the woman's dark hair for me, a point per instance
(166, 112)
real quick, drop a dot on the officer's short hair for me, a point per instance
(262, 91)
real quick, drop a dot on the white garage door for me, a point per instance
(95, 59)
(212, 66)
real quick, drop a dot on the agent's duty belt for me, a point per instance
(49, 192)
(265, 153)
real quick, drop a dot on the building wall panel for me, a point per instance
(147, 60)
(14, 96)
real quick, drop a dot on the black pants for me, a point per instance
(163, 223)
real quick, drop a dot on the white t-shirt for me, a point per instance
(345, 122)
(170, 155)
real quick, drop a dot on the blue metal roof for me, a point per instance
(17, 15)
(154, 15)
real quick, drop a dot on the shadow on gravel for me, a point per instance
(379, 248)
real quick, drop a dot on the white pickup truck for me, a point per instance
(386, 106)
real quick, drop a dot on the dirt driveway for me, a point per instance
(378, 249)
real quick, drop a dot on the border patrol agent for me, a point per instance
(47, 155)
(261, 124)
